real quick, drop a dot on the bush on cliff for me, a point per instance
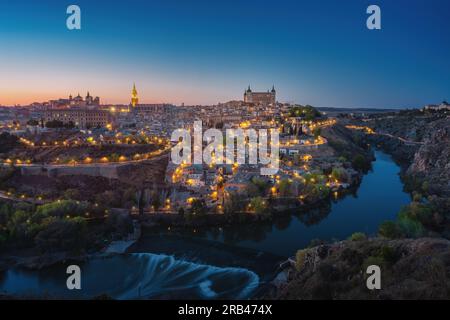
(358, 236)
(418, 212)
(300, 259)
(410, 228)
(360, 163)
(390, 230)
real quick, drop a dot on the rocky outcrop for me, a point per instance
(420, 142)
(410, 269)
(432, 161)
(402, 153)
(149, 173)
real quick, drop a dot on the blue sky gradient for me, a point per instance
(202, 52)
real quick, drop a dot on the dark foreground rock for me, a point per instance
(410, 269)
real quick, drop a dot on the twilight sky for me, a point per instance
(202, 52)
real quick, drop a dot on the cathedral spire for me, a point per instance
(134, 96)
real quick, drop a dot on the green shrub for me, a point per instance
(390, 230)
(62, 234)
(285, 188)
(373, 260)
(198, 209)
(8, 142)
(3, 238)
(308, 112)
(259, 206)
(418, 212)
(338, 174)
(388, 254)
(410, 228)
(360, 163)
(316, 242)
(417, 197)
(300, 259)
(260, 184)
(358, 236)
(60, 209)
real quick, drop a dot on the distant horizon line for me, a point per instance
(206, 105)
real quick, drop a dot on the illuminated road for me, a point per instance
(161, 154)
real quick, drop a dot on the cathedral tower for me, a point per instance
(134, 96)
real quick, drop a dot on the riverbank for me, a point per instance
(419, 141)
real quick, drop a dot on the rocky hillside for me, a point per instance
(347, 143)
(410, 269)
(415, 126)
(431, 162)
(420, 142)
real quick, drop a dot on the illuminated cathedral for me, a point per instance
(134, 97)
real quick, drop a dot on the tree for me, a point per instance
(62, 234)
(410, 228)
(308, 112)
(285, 188)
(233, 203)
(390, 230)
(54, 124)
(257, 186)
(72, 194)
(6, 173)
(316, 132)
(32, 122)
(339, 174)
(259, 206)
(120, 223)
(198, 208)
(359, 163)
(60, 209)
(20, 227)
(5, 213)
(156, 201)
(8, 142)
(358, 236)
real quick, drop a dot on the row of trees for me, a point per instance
(418, 219)
(56, 226)
(8, 142)
(307, 112)
(59, 223)
(59, 124)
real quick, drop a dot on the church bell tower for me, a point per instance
(134, 96)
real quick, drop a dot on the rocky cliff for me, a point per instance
(432, 161)
(410, 269)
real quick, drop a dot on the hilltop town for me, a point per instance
(78, 177)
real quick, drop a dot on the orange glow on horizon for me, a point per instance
(112, 95)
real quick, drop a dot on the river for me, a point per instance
(224, 262)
